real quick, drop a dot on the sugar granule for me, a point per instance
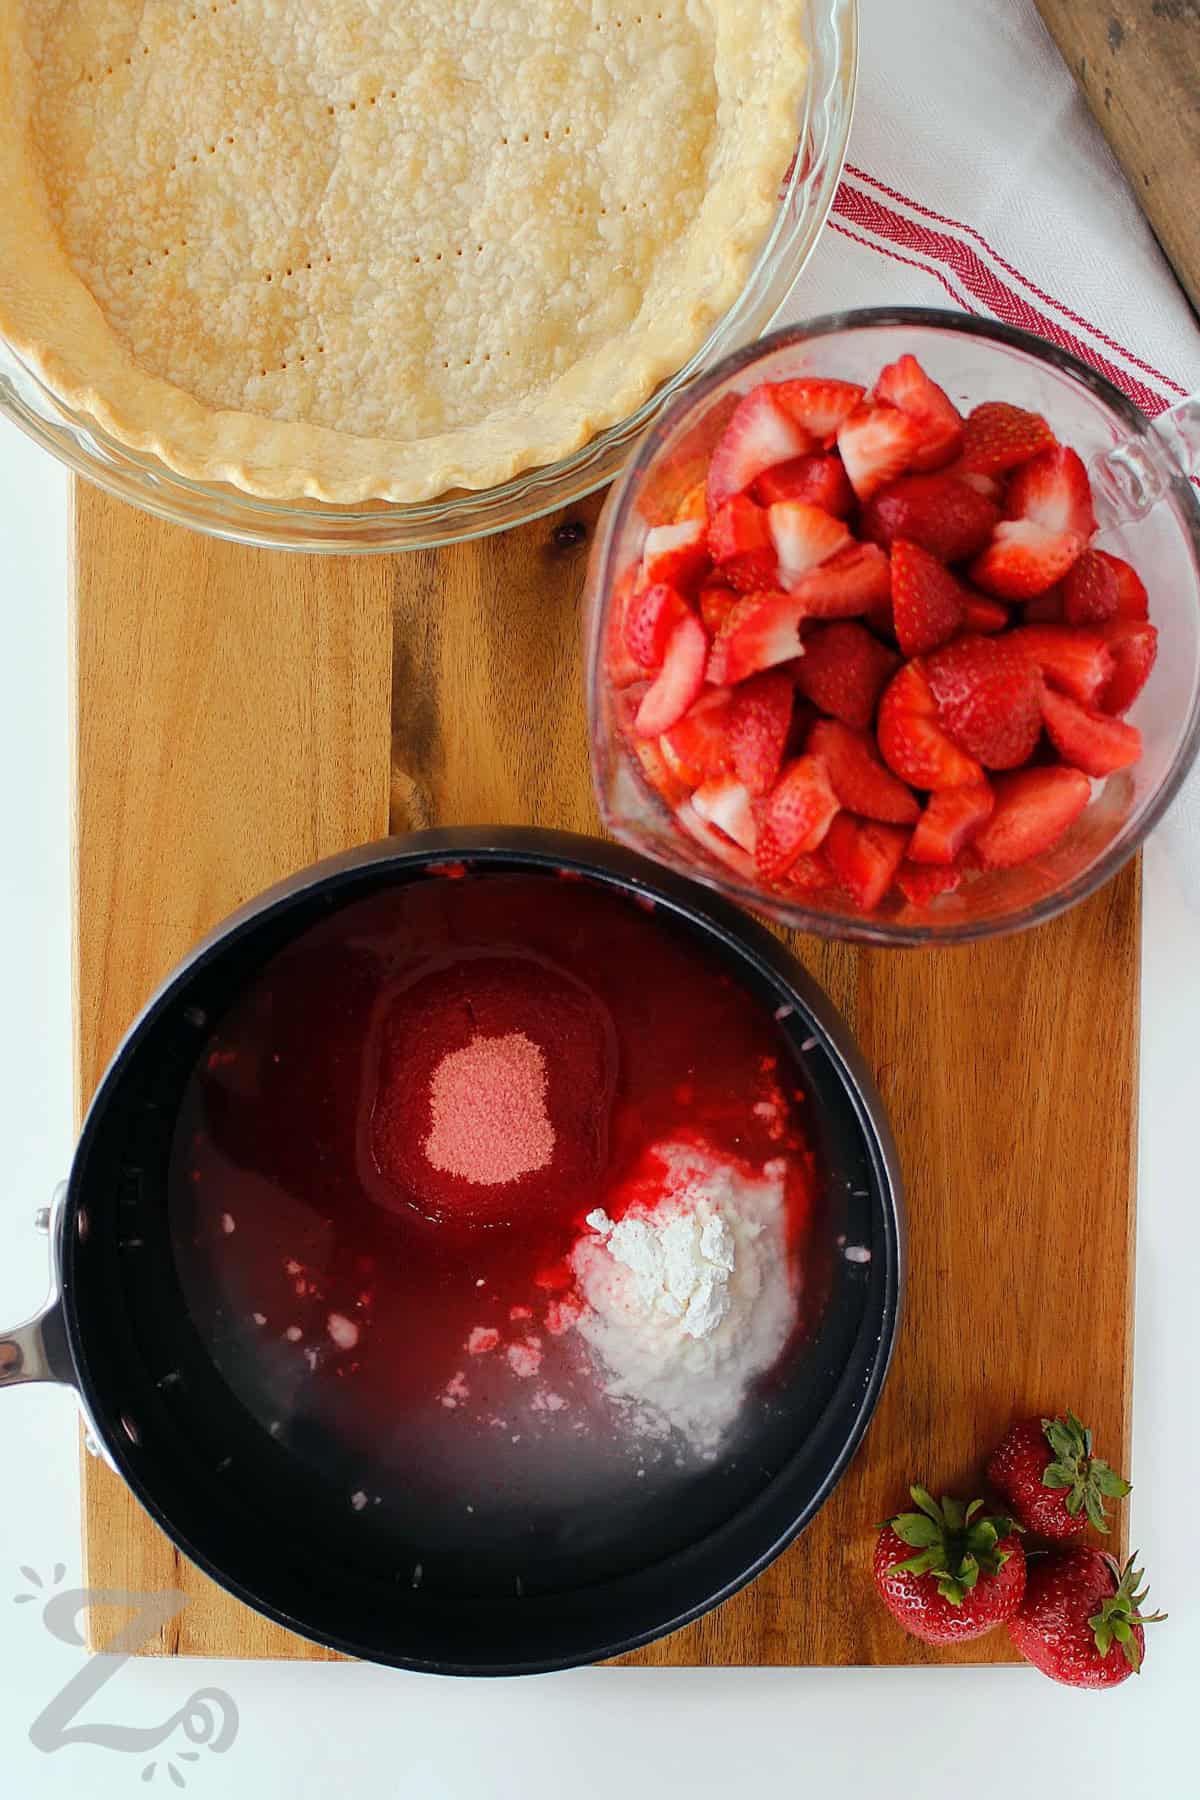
(524, 1359)
(488, 1111)
(343, 1331)
(482, 1339)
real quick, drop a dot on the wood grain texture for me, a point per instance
(1138, 63)
(231, 725)
(234, 723)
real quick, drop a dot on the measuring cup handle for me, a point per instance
(1131, 477)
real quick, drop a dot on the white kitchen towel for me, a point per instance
(977, 178)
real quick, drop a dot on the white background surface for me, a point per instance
(312, 1730)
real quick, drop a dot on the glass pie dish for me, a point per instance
(1155, 527)
(830, 29)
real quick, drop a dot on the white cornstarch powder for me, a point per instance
(689, 1296)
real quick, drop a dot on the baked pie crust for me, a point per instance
(357, 249)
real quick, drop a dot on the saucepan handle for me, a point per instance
(38, 1349)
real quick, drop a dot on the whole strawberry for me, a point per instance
(1045, 1471)
(1081, 1620)
(967, 1576)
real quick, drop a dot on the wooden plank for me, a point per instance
(231, 725)
(1138, 63)
(215, 741)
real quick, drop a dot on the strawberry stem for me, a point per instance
(954, 1543)
(1088, 1479)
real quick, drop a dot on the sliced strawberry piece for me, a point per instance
(1089, 590)
(795, 816)
(1075, 660)
(865, 856)
(1024, 559)
(810, 874)
(950, 820)
(877, 443)
(819, 406)
(1133, 646)
(716, 604)
(911, 741)
(659, 773)
(990, 486)
(1045, 609)
(906, 386)
(677, 554)
(844, 670)
(998, 437)
(622, 668)
(986, 616)
(1053, 491)
(650, 617)
(859, 778)
(821, 480)
(921, 883)
(760, 717)
(725, 802)
(679, 680)
(760, 433)
(927, 602)
(1133, 602)
(848, 584)
(804, 537)
(988, 693)
(739, 542)
(1034, 807)
(762, 630)
(941, 512)
(1088, 739)
(698, 746)
(710, 838)
(694, 504)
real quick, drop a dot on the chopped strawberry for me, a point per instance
(865, 856)
(848, 584)
(988, 693)
(998, 437)
(1024, 559)
(658, 771)
(677, 554)
(739, 542)
(715, 603)
(877, 443)
(990, 486)
(950, 820)
(679, 680)
(922, 882)
(927, 602)
(1053, 491)
(804, 537)
(809, 874)
(621, 666)
(650, 617)
(911, 741)
(819, 479)
(1045, 609)
(941, 512)
(819, 406)
(844, 670)
(1034, 807)
(1088, 739)
(986, 616)
(859, 778)
(1075, 660)
(710, 838)
(760, 717)
(694, 504)
(1089, 591)
(1133, 602)
(698, 746)
(905, 385)
(1133, 647)
(795, 816)
(725, 802)
(762, 630)
(760, 433)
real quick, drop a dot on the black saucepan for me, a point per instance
(266, 1515)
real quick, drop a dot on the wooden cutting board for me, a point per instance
(241, 713)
